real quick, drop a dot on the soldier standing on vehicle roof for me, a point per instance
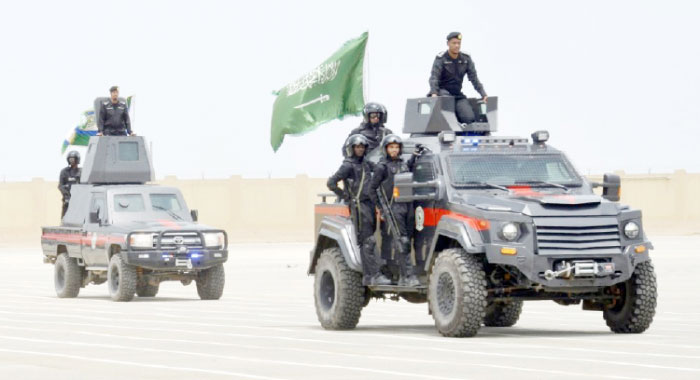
(356, 173)
(114, 116)
(69, 176)
(372, 127)
(448, 73)
(389, 165)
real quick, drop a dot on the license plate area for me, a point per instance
(183, 263)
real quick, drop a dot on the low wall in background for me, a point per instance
(281, 210)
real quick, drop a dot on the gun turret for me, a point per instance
(437, 114)
(117, 159)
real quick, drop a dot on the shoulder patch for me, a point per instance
(441, 54)
(104, 103)
(122, 103)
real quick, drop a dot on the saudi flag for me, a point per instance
(329, 91)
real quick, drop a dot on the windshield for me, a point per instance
(128, 203)
(165, 202)
(505, 170)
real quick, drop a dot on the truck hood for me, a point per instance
(161, 225)
(534, 203)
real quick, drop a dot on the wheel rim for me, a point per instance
(445, 293)
(60, 277)
(327, 290)
(114, 279)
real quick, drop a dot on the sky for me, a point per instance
(616, 83)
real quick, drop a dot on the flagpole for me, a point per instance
(367, 64)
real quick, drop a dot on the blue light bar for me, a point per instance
(472, 142)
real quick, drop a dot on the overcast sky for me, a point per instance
(616, 83)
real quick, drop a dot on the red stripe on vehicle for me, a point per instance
(331, 210)
(526, 191)
(433, 216)
(169, 224)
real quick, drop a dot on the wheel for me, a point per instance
(634, 311)
(147, 290)
(457, 293)
(67, 276)
(210, 283)
(338, 292)
(503, 314)
(121, 279)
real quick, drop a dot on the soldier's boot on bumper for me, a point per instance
(406, 276)
(370, 267)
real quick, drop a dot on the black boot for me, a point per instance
(407, 278)
(370, 267)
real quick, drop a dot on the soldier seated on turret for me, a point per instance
(113, 118)
(447, 75)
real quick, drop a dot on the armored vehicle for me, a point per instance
(498, 220)
(130, 234)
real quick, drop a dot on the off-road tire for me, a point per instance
(147, 290)
(121, 279)
(67, 276)
(210, 283)
(338, 292)
(635, 312)
(503, 314)
(457, 293)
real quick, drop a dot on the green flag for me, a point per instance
(330, 91)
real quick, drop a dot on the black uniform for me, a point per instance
(373, 132)
(383, 179)
(356, 174)
(69, 176)
(114, 119)
(446, 78)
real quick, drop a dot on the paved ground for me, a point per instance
(265, 328)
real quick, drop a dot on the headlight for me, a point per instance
(141, 240)
(214, 239)
(631, 230)
(510, 231)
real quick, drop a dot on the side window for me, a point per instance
(424, 171)
(99, 204)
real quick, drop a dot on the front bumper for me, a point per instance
(534, 266)
(168, 260)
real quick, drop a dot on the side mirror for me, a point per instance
(195, 215)
(95, 217)
(404, 189)
(611, 187)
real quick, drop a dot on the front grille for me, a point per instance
(585, 235)
(173, 240)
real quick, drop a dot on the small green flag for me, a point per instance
(330, 91)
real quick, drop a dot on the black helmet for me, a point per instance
(391, 139)
(372, 108)
(353, 140)
(73, 154)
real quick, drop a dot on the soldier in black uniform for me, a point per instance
(391, 164)
(356, 173)
(448, 73)
(372, 127)
(114, 116)
(70, 175)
